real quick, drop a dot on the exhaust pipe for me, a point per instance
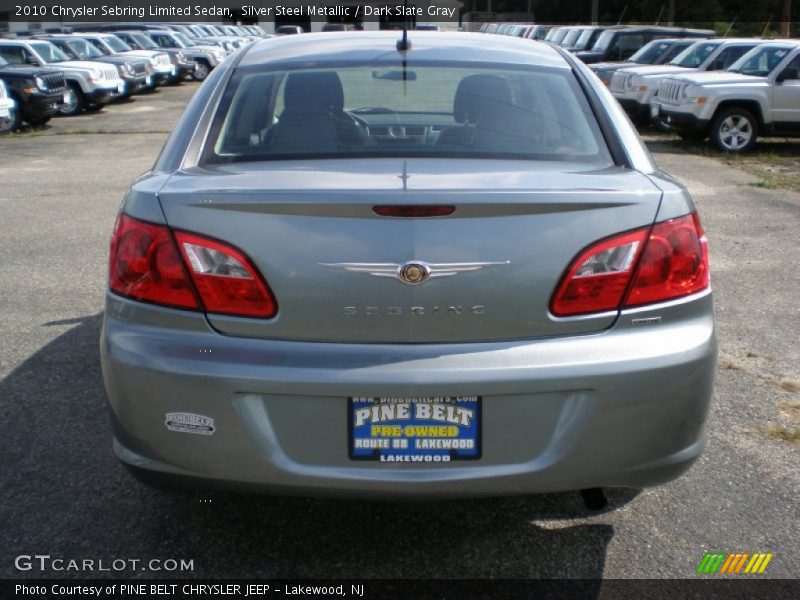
(594, 498)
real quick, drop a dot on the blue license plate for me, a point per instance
(414, 430)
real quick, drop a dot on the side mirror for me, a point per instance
(32, 60)
(788, 74)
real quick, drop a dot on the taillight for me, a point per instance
(666, 261)
(199, 273)
(145, 265)
(596, 281)
(674, 263)
(226, 280)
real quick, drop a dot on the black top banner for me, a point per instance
(67, 11)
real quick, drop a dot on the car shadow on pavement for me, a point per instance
(64, 494)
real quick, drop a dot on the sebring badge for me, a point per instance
(414, 272)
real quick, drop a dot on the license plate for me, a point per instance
(121, 87)
(414, 430)
(148, 80)
(4, 111)
(655, 109)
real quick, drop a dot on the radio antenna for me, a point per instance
(403, 44)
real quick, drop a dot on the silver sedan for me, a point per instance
(444, 270)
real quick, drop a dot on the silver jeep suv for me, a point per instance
(758, 95)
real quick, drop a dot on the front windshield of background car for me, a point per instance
(533, 114)
(583, 39)
(49, 52)
(649, 53)
(83, 49)
(571, 37)
(145, 42)
(182, 39)
(695, 55)
(603, 42)
(117, 45)
(760, 61)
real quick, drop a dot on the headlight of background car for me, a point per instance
(40, 83)
(690, 94)
(632, 82)
(181, 56)
(96, 74)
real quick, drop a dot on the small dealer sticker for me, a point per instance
(189, 423)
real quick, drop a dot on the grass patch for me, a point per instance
(790, 435)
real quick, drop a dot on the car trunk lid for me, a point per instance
(307, 225)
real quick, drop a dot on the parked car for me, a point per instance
(110, 44)
(35, 91)
(497, 295)
(556, 34)
(205, 57)
(586, 39)
(572, 35)
(759, 95)
(174, 65)
(634, 88)
(289, 29)
(8, 107)
(135, 72)
(656, 52)
(620, 44)
(90, 85)
(538, 32)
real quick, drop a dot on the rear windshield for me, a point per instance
(424, 110)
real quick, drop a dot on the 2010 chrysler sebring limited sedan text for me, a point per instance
(451, 270)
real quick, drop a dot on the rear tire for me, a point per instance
(76, 103)
(201, 71)
(734, 131)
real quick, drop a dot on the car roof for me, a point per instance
(425, 46)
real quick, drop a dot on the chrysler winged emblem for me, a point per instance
(414, 272)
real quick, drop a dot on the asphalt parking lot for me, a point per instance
(64, 494)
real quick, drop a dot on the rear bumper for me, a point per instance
(625, 407)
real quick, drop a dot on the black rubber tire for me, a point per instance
(205, 71)
(80, 101)
(739, 115)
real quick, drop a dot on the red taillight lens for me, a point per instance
(670, 262)
(674, 262)
(145, 265)
(596, 281)
(225, 279)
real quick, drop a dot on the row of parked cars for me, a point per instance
(66, 72)
(728, 90)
